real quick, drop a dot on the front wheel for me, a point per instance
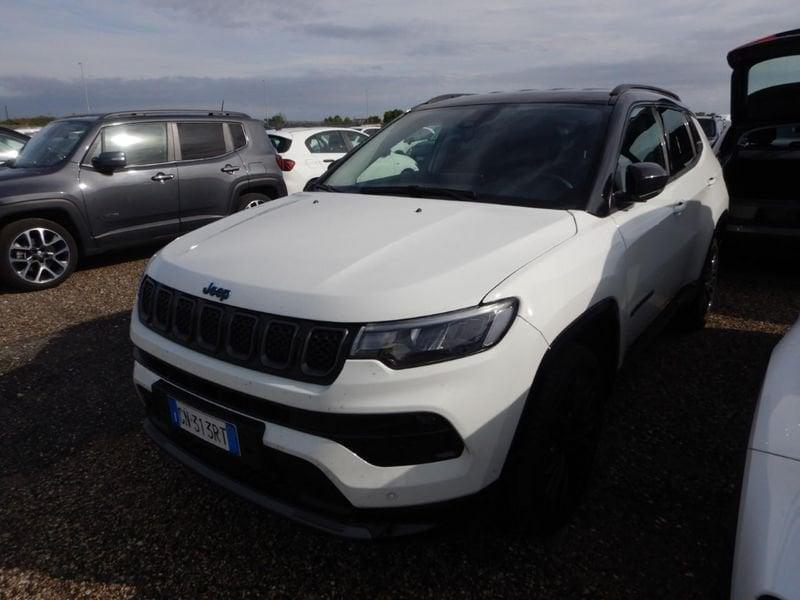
(551, 460)
(36, 254)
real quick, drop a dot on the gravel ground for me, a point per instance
(89, 508)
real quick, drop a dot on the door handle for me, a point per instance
(711, 181)
(162, 177)
(328, 160)
(229, 169)
(679, 207)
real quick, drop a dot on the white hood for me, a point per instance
(360, 258)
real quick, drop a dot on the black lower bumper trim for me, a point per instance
(354, 530)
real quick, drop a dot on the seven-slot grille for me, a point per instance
(292, 348)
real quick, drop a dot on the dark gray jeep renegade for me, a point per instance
(86, 184)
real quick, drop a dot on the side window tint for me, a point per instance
(142, 143)
(355, 138)
(642, 143)
(201, 140)
(237, 135)
(679, 142)
(326, 142)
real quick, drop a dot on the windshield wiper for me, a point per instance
(324, 187)
(420, 191)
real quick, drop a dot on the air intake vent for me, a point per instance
(292, 348)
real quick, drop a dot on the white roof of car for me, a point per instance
(289, 132)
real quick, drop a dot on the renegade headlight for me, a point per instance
(402, 344)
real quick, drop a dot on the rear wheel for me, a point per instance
(551, 461)
(36, 254)
(252, 200)
(692, 316)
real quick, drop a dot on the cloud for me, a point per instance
(324, 57)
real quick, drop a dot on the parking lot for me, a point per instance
(88, 505)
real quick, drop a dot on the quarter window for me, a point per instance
(642, 143)
(327, 142)
(679, 142)
(237, 135)
(201, 140)
(142, 143)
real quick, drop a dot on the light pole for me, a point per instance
(85, 88)
(266, 111)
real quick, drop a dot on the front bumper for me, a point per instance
(767, 557)
(480, 396)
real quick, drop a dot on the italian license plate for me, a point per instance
(210, 429)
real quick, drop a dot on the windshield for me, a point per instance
(52, 144)
(541, 155)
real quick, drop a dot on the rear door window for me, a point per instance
(142, 143)
(355, 138)
(201, 140)
(327, 142)
(679, 141)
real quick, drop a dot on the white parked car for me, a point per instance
(767, 558)
(305, 153)
(397, 342)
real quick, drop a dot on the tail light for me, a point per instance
(285, 164)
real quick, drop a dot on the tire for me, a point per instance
(692, 316)
(251, 201)
(36, 254)
(552, 457)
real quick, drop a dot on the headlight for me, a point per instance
(402, 344)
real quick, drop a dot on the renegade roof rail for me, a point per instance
(621, 89)
(175, 111)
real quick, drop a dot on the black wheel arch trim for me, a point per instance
(252, 185)
(46, 208)
(573, 333)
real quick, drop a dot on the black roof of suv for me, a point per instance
(64, 193)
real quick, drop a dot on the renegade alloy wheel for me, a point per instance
(36, 254)
(252, 200)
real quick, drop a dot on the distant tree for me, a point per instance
(373, 120)
(391, 115)
(334, 120)
(39, 121)
(276, 121)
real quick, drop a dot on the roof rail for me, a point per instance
(442, 97)
(175, 111)
(621, 89)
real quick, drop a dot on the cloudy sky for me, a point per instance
(321, 57)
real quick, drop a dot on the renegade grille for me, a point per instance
(292, 348)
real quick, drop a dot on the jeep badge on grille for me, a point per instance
(218, 292)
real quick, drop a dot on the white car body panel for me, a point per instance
(373, 258)
(767, 557)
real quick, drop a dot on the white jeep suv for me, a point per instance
(408, 335)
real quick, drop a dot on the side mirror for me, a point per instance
(644, 180)
(109, 162)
